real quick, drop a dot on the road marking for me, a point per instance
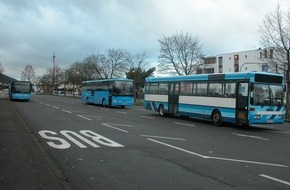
(77, 139)
(185, 124)
(93, 116)
(281, 132)
(160, 137)
(177, 148)
(55, 107)
(218, 158)
(67, 111)
(275, 179)
(124, 125)
(114, 127)
(122, 112)
(254, 137)
(147, 117)
(85, 117)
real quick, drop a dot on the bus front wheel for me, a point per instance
(216, 117)
(161, 110)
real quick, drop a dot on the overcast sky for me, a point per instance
(31, 30)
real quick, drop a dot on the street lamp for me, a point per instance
(53, 71)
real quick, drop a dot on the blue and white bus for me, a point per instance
(237, 98)
(20, 90)
(108, 92)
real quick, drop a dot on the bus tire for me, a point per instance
(123, 106)
(104, 103)
(161, 110)
(216, 117)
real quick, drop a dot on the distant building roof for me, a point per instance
(5, 79)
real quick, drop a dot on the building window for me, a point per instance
(220, 63)
(271, 53)
(246, 56)
(265, 53)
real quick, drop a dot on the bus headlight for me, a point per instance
(257, 116)
(280, 116)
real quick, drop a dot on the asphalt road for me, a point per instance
(112, 148)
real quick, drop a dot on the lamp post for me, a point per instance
(53, 71)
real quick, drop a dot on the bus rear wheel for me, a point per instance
(161, 110)
(104, 103)
(216, 118)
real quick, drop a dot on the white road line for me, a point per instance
(281, 132)
(67, 111)
(55, 107)
(275, 179)
(124, 125)
(85, 117)
(254, 137)
(177, 148)
(160, 137)
(218, 158)
(93, 116)
(114, 127)
(185, 124)
(247, 161)
(147, 117)
(122, 112)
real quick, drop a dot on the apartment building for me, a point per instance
(250, 60)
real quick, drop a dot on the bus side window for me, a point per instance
(153, 88)
(230, 89)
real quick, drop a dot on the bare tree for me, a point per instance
(116, 63)
(137, 61)
(1, 68)
(99, 66)
(52, 79)
(28, 73)
(179, 53)
(275, 33)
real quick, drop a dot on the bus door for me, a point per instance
(242, 103)
(173, 96)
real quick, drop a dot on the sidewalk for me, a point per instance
(23, 162)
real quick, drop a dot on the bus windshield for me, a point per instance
(123, 88)
(265, 94)
(21, 87)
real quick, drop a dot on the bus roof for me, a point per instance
(104, 80)
(20, 82)
(212, 76)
